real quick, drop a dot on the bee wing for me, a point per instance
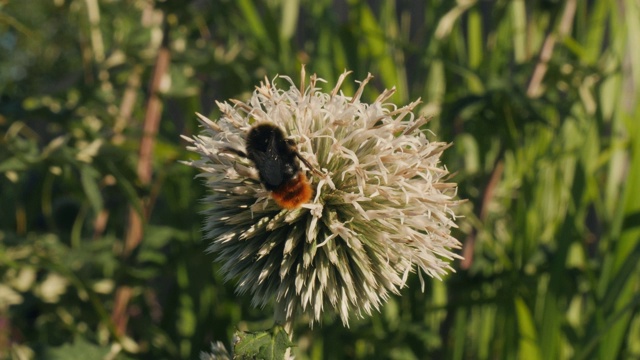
(270, 167)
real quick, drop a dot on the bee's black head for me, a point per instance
(261, 136)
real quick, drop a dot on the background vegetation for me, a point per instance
(100, 242)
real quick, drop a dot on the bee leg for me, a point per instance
(292, 144)
(233, 151)
(308, 164)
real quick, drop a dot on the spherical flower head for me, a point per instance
(381, 207)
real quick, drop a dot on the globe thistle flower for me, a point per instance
(381, 207)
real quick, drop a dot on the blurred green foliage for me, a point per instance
(551, 167)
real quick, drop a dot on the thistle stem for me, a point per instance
(280, 317)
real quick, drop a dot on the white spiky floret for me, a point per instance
(381, 208)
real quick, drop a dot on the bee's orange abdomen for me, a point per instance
(293, 193)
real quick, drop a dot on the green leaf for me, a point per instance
(89, 178)
(12, 164)
(80, 349)
(290, 11)
(268, 345)
(528, 348)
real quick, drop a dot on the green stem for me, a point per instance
(280, 318)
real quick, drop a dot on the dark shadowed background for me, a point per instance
(100, 242)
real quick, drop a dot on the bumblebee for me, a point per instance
(275, 157)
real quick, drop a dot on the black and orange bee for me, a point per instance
(274, 156)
